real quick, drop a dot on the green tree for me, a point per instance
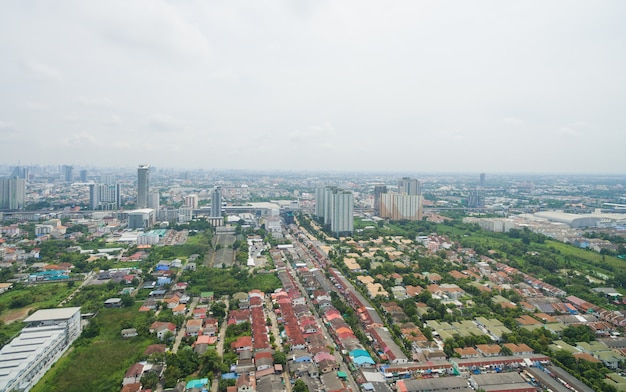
(300, 386)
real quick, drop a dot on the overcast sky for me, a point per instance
(424, 86)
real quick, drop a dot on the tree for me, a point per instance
(149, 380)
(505, 351)
(300, 386)
(280, 357)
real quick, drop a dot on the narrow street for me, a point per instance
(269, 311)
(181, 333)
(220, 346)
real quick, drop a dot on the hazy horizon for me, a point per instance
(319, 86)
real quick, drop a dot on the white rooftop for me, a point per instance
(52, 314)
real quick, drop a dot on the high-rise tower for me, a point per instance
(378, 191)
(12, 193)
(143, 186)
(216, 202)
(336, 208)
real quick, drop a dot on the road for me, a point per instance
(87, 280)
(338, 357)
(181, 333)
(220, 346)
(269, 312)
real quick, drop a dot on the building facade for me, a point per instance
(143, 185)
(400, 206)
(47, 335)
(216, 202)
(335, 208)
(105, 196)
(12, 193)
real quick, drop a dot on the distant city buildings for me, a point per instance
(216, 202)
(409, 186)
(482, 179)
(83, 175)
(336, 209)
(12, 193)
(143, 185)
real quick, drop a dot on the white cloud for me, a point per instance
(81, 139)
(313, 133)
(43, 71)
(513, 121)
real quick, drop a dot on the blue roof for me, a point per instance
(359, 353)
(229, 376)
(362, 360)
(197, 383)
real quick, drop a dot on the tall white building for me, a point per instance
(143, 185)
(47, 335)
(154, 201)
(12, 193)
(105, 196)
(191, 201)
(336, 208)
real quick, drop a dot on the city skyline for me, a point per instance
(490, 86)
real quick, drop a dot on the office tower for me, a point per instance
(12, 193)
(476, 199)
(68, 173)
(143, 185)
(378, 191)
(336, 209)
(191, 201)
(154, 201)
(216, 202)
(410, 186)
(83, 175)
(482, 179)
(105, 196)
(400, 206)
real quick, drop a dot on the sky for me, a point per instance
(423, 86)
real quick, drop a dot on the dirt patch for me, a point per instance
(15, 315)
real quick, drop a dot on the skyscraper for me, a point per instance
(143, 186)
(12, 193)
(336, 208)
(482, 179)
(68, 173)
(83, 175)
(378, 191)
(216, 202)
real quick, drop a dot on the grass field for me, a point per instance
(39, 296)
(588, 255)
(98, 366)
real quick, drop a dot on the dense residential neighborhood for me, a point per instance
(270, 296)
